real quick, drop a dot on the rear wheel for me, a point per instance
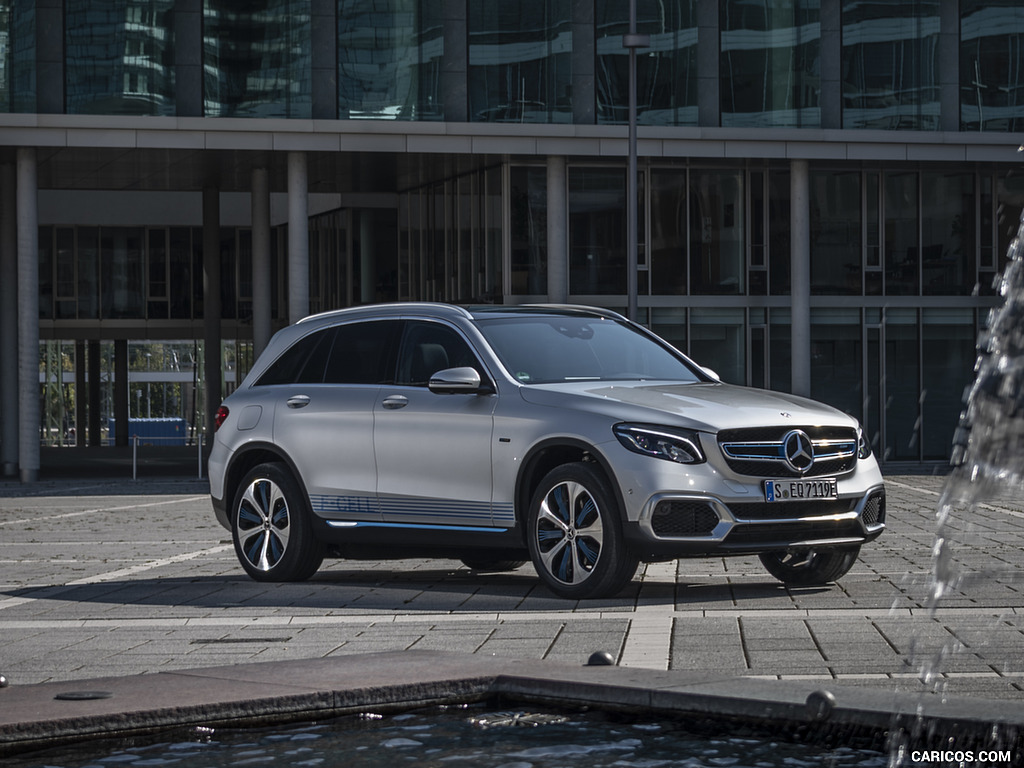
(575, 534)
(270, 526)
(809, 567)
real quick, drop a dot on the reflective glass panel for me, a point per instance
(948, 357)
(528, 198)
(666, 72)
(835, 233)
(948, 239)
(901, 381)
(119, 57)
(520, 61)
(836, 358)
(902, 260)
(17, 57)
(389, 59)
(256, 58)
(991, 65)
(597, 231)
(890, 67)
(717, 245)
(668, 232)
(770, 63)
(718, 341)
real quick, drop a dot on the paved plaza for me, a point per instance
(103, 577)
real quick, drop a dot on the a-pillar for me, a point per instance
(800, 280)
(261, 277)
(558, 229)
(211, 306)
(28, 314)
(298, 237)
(8, 322)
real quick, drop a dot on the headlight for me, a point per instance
(679, 445)
(863, 446)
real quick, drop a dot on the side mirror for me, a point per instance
(454, 381)
(711, 373)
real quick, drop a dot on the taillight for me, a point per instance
(222, 413)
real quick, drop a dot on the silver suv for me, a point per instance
(495, 435)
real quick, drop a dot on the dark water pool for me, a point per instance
(473, 737)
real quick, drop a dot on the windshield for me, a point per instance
(545, 349)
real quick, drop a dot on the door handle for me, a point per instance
(394, 402)
(298, 401)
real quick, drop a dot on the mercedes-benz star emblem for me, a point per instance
(798, 451)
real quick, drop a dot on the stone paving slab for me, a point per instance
(103, 577)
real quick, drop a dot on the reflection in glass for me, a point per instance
(890, 67)
(666, 72)
(717, 245)
(835, 233)
(948, 357)
(529, 230)
(389, 59)
(119, 57)
(256, 58)
(836, 358)
(17, 57)
(902, 260)
(991, 65)
(901, 372)
(948, 250)
(770, 63)
(520, 61)
(597, 231)
(718, 341)
(668, 232)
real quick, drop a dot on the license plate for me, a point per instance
(801, 490)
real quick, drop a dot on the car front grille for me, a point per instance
(791, 510)
(780, 534)
(758, 451)
(874, 510)
(673, 519)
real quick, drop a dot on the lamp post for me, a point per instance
(631, 41)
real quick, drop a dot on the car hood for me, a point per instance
(705, 406)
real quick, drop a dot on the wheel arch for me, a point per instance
(254, 454)
(555, 452)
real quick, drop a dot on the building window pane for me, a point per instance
(257, 59)
(902, 374)
(17, 57)
(902, 262)
(389, 59)
(520, 61)
(718, 341)
(835, 233)
(668, 232)
(717, 247)
(529, 231)
(948, 216)
(991, 65)
(666, 72)
(890, 65)
(770, 67)
(948, 360)
(119, 57)
(121, 270)
(836, 359)
(597, 231)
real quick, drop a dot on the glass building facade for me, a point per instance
(474, 152)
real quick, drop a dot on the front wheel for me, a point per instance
(809, 567)
(271, 529)
(575, 535)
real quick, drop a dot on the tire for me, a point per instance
(809, 567)
(574, 531)
(485, 565)
(270, 526)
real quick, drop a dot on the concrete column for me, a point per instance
(800, 281)
(28, 315)
(8, 322)
(558, 231)
(261, 277)
(298, 237)
(211, 305)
